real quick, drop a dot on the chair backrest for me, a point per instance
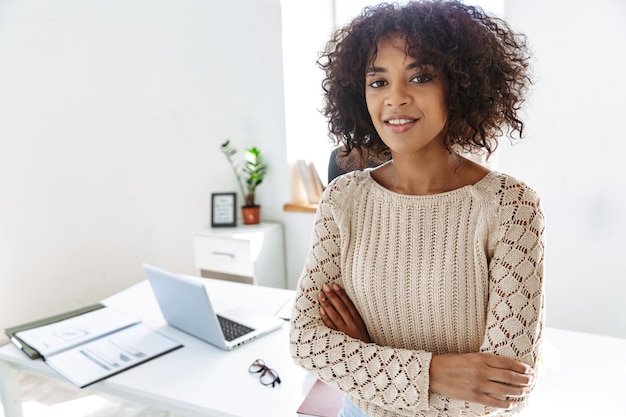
(340, 163)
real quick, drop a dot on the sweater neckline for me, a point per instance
(452, 193)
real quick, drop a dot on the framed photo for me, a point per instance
(223, 209)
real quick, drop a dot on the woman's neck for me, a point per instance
(427, 175)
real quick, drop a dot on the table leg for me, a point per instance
(10, 391)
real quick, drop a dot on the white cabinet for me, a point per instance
(252, 254)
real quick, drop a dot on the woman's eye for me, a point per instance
(424, 78)
(377, 84)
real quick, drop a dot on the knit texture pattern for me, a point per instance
(456, 272)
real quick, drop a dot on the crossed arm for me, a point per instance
(491, 380)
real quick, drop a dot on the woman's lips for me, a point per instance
(400, 124)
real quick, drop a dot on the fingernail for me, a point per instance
(326, 288)
(336, 287)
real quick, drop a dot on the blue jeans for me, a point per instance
(350, 410)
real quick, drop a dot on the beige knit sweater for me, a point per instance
(455, 272)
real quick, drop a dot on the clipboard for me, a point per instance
(28, 350)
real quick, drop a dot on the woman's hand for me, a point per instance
(482, 378)
(339, 313)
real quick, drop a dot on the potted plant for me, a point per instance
(250, 169)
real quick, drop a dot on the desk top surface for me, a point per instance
(581, 373)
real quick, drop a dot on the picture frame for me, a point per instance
(223, 209)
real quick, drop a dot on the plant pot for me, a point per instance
(251, 215)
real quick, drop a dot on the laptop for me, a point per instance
(186, 305)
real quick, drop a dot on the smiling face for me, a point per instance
(406, 99)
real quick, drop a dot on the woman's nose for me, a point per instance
(398, 96)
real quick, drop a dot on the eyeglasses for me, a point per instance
(268, 376)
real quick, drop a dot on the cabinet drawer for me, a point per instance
(226, 255)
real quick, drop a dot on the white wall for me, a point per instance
(573, 156)
(111, 116)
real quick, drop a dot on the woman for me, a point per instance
(422, 293)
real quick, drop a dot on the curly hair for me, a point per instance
(483, 62)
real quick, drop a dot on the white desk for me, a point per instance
(200, 380)
(583, 375)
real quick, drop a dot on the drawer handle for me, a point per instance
(222, 255)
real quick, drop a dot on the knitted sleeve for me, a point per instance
(394, 379)
(516, 297)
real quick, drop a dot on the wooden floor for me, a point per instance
(43, 397)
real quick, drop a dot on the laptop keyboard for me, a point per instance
(231, 329)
